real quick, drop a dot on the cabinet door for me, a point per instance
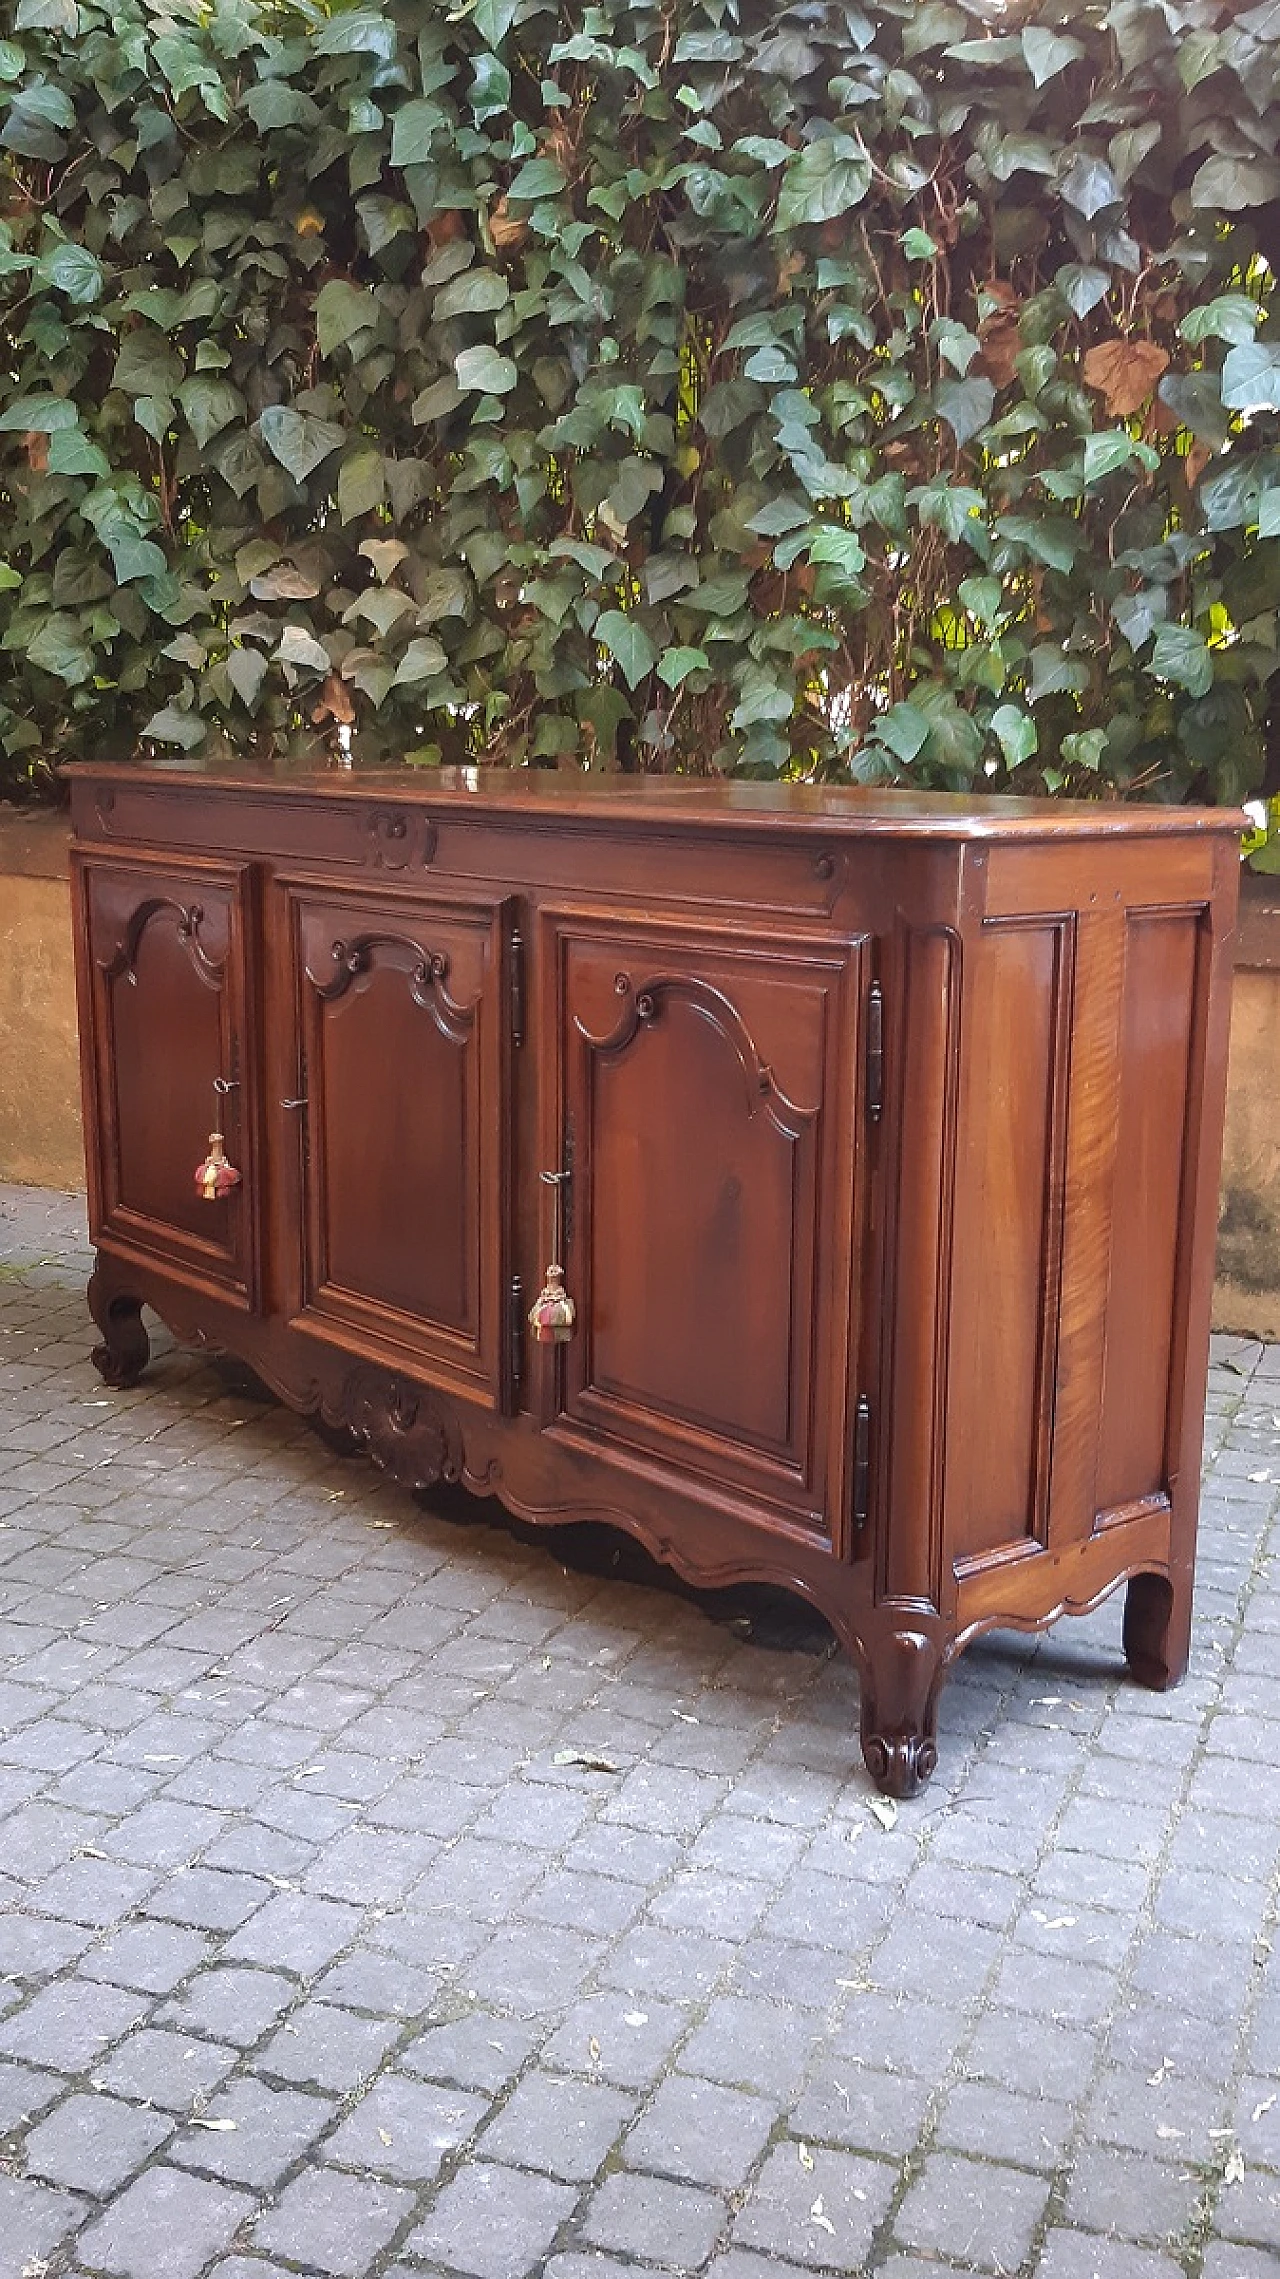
(397, 1053)
(164, 1007)
(706, 1115)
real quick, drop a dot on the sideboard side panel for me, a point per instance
(1008, 1257)
(926, 1050)
(1148, 1222)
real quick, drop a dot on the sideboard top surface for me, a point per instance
(698, 802)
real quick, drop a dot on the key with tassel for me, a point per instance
(552, 1315)
(215, 1177)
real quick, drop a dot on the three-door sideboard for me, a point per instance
(876, 1139)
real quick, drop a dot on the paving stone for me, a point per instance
(406, 2129)
(25, 2092)
(532, 1968)
(333, 2223)
(270, 2130)
(32, 1947)
(617, 2038)
(379, 1983)
(93, 2144)
(96, 1892)
(824, 2214)
(654, 2221)
(295, 1932)
(173, 2070)
(167, 2225)
(1081, 2255)
(151, 1957)
(700, 2133)
(336, 2048)
(589, 2264)
(33, 2221)
(1130, 2195)
(996, 2124)
(752, 2045)
(684, 1966)
(564, 2127)
(482, 2051)
(972, 2211)
(69, 2023)
(492, 2223)
(208, 1899)
(236, 2005)
(861, 2110)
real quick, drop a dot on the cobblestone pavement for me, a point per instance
(321, 1953)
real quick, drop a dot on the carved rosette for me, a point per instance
(405, 1428)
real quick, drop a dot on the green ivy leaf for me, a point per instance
(210, 405)
(413, 131)
(1106, 453)
(343, 309)
(1182, 656)
(1232, 317)
(58, 646)
(904, 729)
(1233, 185)
(1251, 378)
(170, 726)
(824, 180)
(966, 406)
(73, 271)
(246, 671)
(675, 665)
(422, 661)
(38, 415)
(1016, 733)
(483, 371)
(1048, 53)
(477, 293)
(537, 178)
(842, 547)
(146, 367)
(299, 441)
(627, 643)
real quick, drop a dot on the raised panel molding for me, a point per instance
(427, 979)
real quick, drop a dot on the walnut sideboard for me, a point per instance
(877, 1138)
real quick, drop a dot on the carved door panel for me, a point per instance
(707, 1111)
(394, 1083)
(170, 1059)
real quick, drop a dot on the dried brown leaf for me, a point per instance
(1124, 372)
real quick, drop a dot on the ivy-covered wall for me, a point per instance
(868, 388)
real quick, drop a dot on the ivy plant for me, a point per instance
(876, 390)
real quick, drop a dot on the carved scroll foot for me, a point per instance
(900, 1677)
(1157, 1630)
(125, 1349)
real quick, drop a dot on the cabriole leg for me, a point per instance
(1157, 1629)
(901, 1673)
(125, 1349)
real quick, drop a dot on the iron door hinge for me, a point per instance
(517, 986)
(515, 1333)
(875, 1053)
(862, 1463)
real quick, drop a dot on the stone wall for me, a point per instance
(39, 1072)
(1247, 1295)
